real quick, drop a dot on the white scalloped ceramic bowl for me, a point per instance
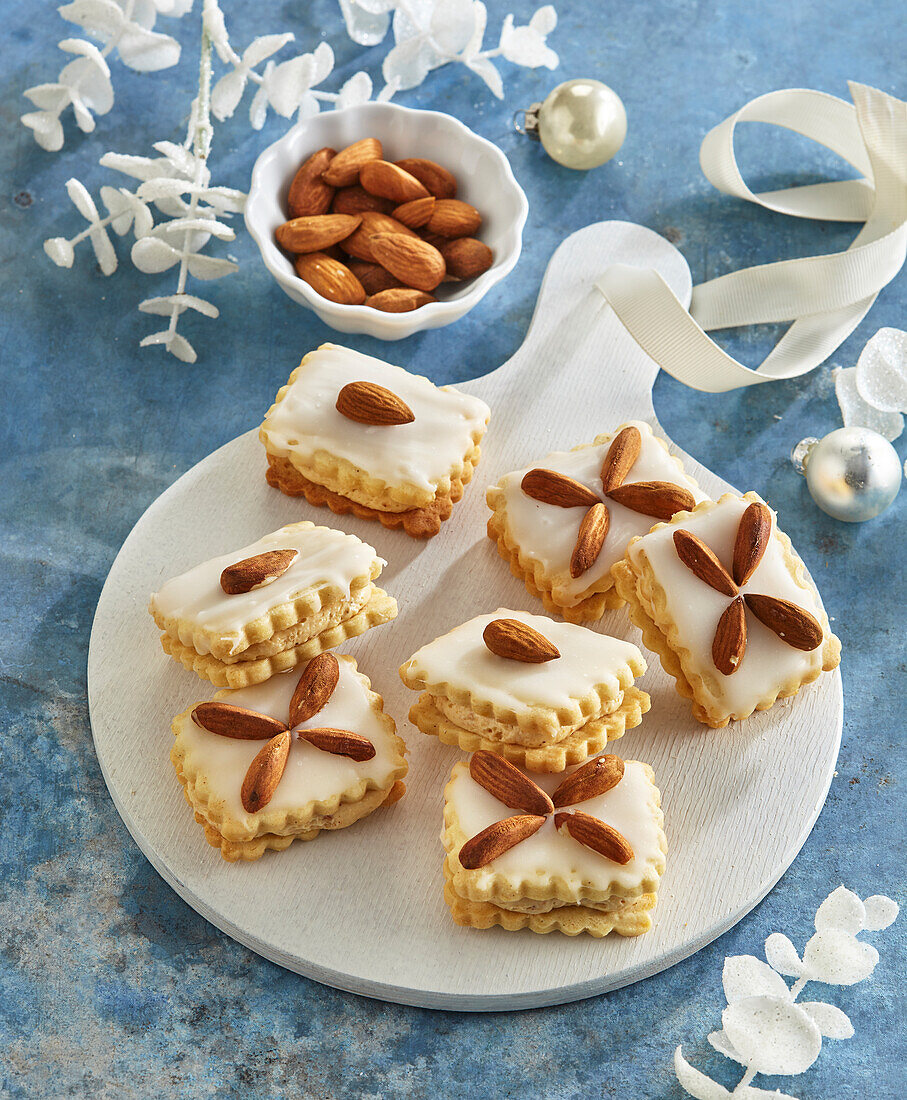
(484, 179)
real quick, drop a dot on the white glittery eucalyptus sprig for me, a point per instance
(764, 1028)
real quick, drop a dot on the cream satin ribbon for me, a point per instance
(825, 297)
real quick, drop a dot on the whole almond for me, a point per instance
(753, 533)
(729, 643)
(314, 688)
(508, 784)
(356, 200)
(416, 212)
(316, 232)
(454, 218)
(369, 403)
(595, 834)
(433, 238)
(661, 499)
(380, 177)
(435, 179)
(339, 742)
(399, 299)
(791, 623)
(228, 720)
(551, 487)
(308, 193)
(592, 779)
(413, 261)
(373, 277)
(622, 453)
(497, 839)
(516, 641)
(256, 572)
(591, 538)
(330, 278)
(344, 168)
(702, 562)
(265, 773)
(358, 244)
(466, 257)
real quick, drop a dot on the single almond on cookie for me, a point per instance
(661, 499)
(339, 742)
(591, 538)
(416, 212)
(454, 218)
(316, 685)
(508, 784)
(792, 624)
(356, 200)
(729, 643)
(413, 261)
(308, 193)
(399, 299)
(358, 244)
(240, 723)
(330, 278)
(373, 277)
(264, 773)
(753, 533)
(380, 177)
(316, 232)
(589, 781)
(345, 167)
(595, 834)
(466, 257)
(435, 179)
(497, 839)
(256, 572)
(550, 487)
(622, 453)
(369, 403)
(516, 641)
(702, 562)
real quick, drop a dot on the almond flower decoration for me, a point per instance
(516, 790)
(316, 686)
(660, 499)
(793, 625)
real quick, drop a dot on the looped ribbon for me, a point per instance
(825, 297)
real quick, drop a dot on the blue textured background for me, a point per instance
(109, 985)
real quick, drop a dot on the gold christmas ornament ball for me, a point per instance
(581, 124)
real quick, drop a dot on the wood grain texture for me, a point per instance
(362, 909)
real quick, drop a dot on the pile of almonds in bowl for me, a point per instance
(365, 231)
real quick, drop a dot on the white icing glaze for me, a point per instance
(461, 658)
(547, 534)
(305, 421)
(327, 559)
(310, 774)
(549, 853)
(695, 607)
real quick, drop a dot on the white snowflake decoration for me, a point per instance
(764, 1028)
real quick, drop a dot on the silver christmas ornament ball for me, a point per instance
(581, 124)
(853, 474)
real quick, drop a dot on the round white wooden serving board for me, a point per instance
(362, 908)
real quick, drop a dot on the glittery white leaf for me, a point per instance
(174, 8)
(81, 200)
(169, 304)
(140, 168)
(103, 249)
(358, 89)
(262, 48)
(102, 19)
(882, 370)
(858, 413)
(308, 106)
(174, 343)
(841, 909)
(747, 976)
(214, 24)
(782, 955)
(880, 912)
(480, 16)
(409, 62)
(181, 160)
(838, 958)
(48, 97)
(90, 83)
(697, 1084)
(127, 211)
(258, 108)
(322, 63)
(724, 1046)
(544, 20)
(453, 24)
(525, 46)
(210, 267)
(226, 200)
(60, 251)
(482, 67)
(209, 226)
(152, 255)
(377, 7)
(772, 1034)
(363, 26)
(47, 129)
(227, 92)
(147, 51)
(164, 187)
(829, 1019)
